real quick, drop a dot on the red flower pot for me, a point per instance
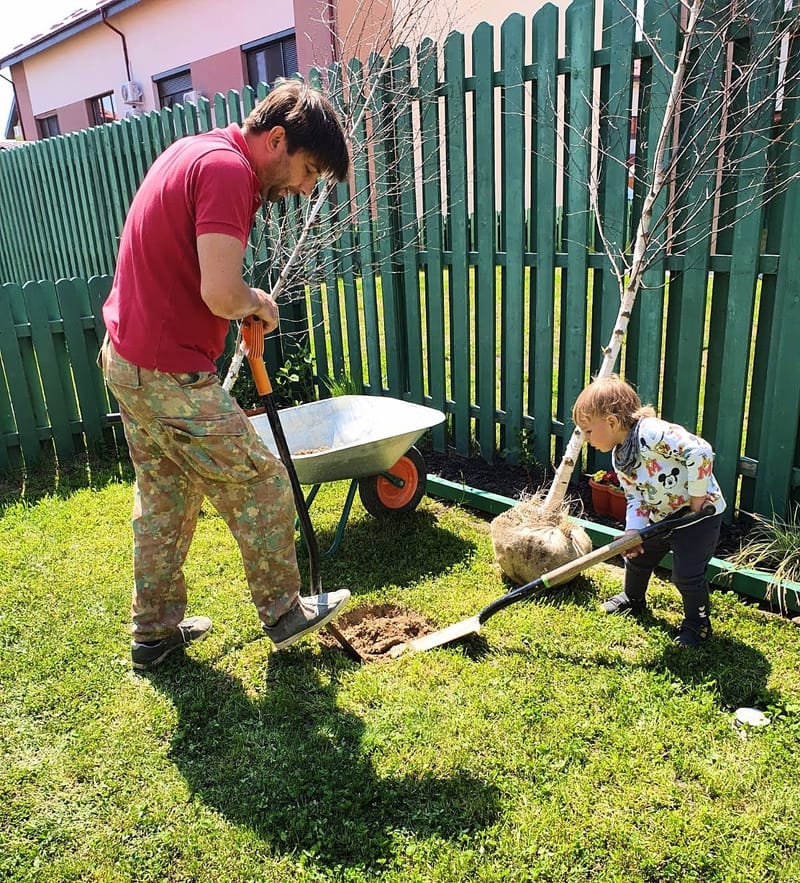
(617, 503)
(608, 500)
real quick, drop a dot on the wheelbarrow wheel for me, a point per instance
(382, 496)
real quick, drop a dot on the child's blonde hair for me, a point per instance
(607, 396)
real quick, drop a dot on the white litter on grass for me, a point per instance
(747, 718)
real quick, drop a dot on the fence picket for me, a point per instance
(512, 134)
(385, 221)
(364, 238)
(8, 425)
(234, 107)
(52, 364)
(458, 241)
(485, 239)
(780, 426)
(204, 114)
(543, 229)
(407, 234)
(427, 63)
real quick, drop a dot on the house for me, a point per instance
(122, 57)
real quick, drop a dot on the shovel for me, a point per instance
(253, 337)
(563, 574)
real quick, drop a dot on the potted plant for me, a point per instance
(608, 498)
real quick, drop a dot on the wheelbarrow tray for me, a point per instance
(348, 436)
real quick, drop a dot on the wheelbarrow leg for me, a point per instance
(348, 505)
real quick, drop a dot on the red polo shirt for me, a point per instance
(154, 313)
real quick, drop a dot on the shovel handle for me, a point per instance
(566, 572)
(253, 338)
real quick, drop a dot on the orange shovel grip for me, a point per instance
(253, 337)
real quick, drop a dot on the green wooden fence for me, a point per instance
(464, 271)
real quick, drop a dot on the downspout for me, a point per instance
(334, 30)
(108, 24)
(16, 104)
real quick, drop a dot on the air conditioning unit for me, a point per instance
(131, 92)
(194, 96)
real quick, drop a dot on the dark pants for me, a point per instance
(692, 548)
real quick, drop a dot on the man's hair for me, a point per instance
(310, 122)
(608, 396)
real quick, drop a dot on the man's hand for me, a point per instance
(267, 309)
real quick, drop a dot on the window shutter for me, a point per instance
(289, 56)
(174, 85)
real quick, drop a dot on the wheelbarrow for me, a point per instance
(366, 439)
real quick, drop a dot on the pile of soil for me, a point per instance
(376, 631)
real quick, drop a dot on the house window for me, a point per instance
(172, 86)
(272, 58)
(101, 109)
(48, 126)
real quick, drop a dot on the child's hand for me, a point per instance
(696, 503)
(634, 550)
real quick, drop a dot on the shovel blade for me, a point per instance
(455, 632)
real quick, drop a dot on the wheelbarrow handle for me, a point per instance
(566, 572)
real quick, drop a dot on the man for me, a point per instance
(178, 283)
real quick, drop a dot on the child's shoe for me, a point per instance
(621, 603)
(694, 634)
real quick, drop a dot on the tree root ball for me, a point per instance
(529, 542)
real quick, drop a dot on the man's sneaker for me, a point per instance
(694, 635)
(621, 603)
(147, 656)
(307, 615)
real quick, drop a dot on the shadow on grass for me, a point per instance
(733, 671)
(290, 765)
(396, 550)
(51, 477)
(736, 672)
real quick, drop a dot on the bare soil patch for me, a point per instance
(374, 630)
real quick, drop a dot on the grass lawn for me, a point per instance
(560, 746)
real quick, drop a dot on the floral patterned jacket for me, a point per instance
(673, 466)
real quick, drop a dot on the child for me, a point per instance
(664, 470)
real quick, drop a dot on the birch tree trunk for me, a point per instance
(631, 281)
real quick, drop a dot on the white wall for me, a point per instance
(160, 36)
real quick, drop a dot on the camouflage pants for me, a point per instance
(189, 440)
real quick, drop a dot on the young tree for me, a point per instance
(725, 78)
